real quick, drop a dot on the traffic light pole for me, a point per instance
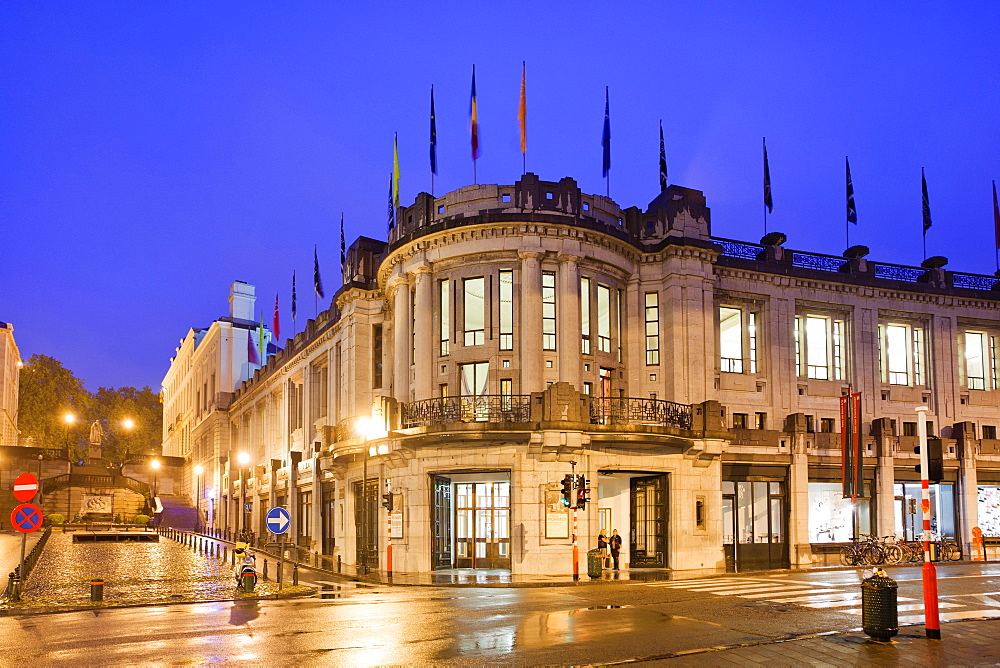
(388, 532)
(932, 623)
(576, 549)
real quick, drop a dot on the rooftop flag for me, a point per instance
(277, 320)
(663, 161)
(392, 209)
(996, 215)
(434, 136)
(852, 212)
(474, 118)
(262, 347)
(522, 112)
(606, 136)
(317, 281)
(926, 202)
(395, 171)
(294, 301)
(343, 243)
(768, 202)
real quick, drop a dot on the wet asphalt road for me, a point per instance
(363, 625)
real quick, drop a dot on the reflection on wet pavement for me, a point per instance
(133, 572)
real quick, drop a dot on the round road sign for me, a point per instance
(25, 487)
(278, 520)
(26, 517)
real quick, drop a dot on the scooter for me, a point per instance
(246, 567)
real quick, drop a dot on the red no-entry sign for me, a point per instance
(25, 487)
(26, 517)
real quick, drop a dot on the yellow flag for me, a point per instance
(395, 171)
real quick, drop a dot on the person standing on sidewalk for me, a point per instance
(616, 546)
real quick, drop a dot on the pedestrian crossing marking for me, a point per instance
(951, 616)
(787, 591)
(913, 607)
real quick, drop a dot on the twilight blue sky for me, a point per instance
(151, 153)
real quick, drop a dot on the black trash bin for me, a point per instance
(879, 617)
(595, 559)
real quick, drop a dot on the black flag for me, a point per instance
(294, 300)
(343, 244)
(768, 202)
(927, 203)
(663, 161)
(852, 213)
(317, 281)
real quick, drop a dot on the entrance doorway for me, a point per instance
(470, 516)
(648, 535)
(366, 522)
(753, 525)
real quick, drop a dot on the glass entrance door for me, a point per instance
(482, 524)
(753, 532)
(366, 522)
(442, 523)
(648, 536)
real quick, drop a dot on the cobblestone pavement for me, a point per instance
(133, 572)
(965, 643)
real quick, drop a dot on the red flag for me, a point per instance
(474, 117)
(252, 355)
(522, 114)
(277, 320)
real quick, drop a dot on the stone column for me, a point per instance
(401, 339)
(423, 323)
(568, 321)
(530, 340)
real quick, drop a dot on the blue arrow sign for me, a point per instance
(278, 520)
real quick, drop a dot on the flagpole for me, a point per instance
(764, 145)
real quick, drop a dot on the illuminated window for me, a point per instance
(901, 354)
(548, 310)
(445, 302)
(506, 309)
(603, 318)
(737, 340)
(585, 315)
(819, 347)
(982, 367)
(652, 328)
(475, 311)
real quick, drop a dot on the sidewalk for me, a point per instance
(964, 643)
(10, 551)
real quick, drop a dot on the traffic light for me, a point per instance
(581, 492)
(387, 501)
(935, 460)
(567, 491)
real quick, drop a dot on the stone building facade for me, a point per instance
(508, 335)
(207, 367)
(10, 367)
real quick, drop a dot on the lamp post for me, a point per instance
(128, 425)
(244, 459)
(368, 429)
(69, 420)
(156, 469)
(198, 470)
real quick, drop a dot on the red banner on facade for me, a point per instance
(851, 446)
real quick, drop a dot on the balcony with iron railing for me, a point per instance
(639, 411)
(496, 408)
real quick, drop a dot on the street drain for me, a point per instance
(607, 607)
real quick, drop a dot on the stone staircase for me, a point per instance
(177, 513)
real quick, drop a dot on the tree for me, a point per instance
(48, 392)
(132, 421)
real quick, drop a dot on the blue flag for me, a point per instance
(317, 281)
(392, 209)
(434, 136)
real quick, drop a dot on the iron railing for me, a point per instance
(481, 408)
(636, 410)
(836, 264)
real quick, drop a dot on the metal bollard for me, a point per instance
(338, 563)
(295, 574)
(280, 574)
(878, 607)
(97, 591)
(264, 574)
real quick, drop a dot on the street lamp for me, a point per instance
(69, 420)
(368, 429)
(198, 470)
(128, 425)
(244, 459)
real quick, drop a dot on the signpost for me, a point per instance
(26, 517)
(25, 487)
(278, 521)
